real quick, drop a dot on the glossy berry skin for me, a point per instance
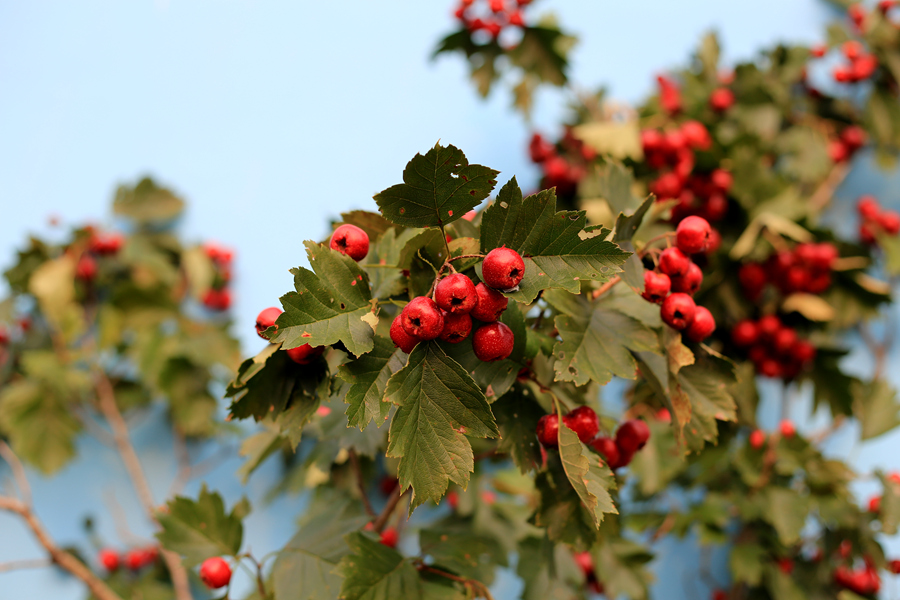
(784, 340)
(745, 334)
(493, 341)
(350, 240)
(502, 269)
(803, 352)
(692, 235)
(757, 439)
(632, 435)
(490, 304)
(690, 282)
(677, 311)
(215, 573)
(390, 537)
(753, 278)
(109, 559)
(656, 286)
(890, 222)
(305, 354)
(721, 179)
(401, 339)
(584, 422)
(456, 328)
(608, 449)
(455, 294)
(787, 429)
(265, 319)
(548, 431)
(875, 504)
(422, 318)
(673, 262)
(703, 325)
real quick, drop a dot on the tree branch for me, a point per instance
(17, 565)
(382, 519)
(18, 472)
(357, 472)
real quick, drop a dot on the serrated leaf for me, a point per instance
(627, 225)
(517, 415)
(198, 529)
(438, 188)
(875, 405)
(372, 571)
(558, 249)
(620, 565)
(548, 571)
(330, 305)
(368, 377)
(561, 513)
(257, 448)
(470, 555)
(437, 401)
(53, 285)
(705, 386)
(542, 52)
(383, 280)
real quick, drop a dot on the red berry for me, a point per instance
(803, 352)
(721, 99)
(668, 185)
(218, 253)
(453, 499)
(864, 67)
(4, 336)
(608, 449)
(134, 559)
(265, 319)
(585, 563)
(867, 233)
(632, 435)
(350, 240)
(890, 222)
(875, 504)
(107, 244)
(838, 151)
(490, 304)
(493, 27)
(690, 282)
(669, 95)
(515, 18)
(702, 326)
(548, 431)
(401, 339)
(215, 573)
(583, 421)
(86, 268)
(745, 334)
(109, 559)
(692, 235)
(678, 311)
(217, 299)
(503, 269)
(787, 429)
(305, 354)
(784, 340)
(715, 209)
(456, 328)
(696, 134)
(664, 415)
(496, 6)
(493, 341)
(753, 278)
(390, 537)
(656, 286)
(894, 566)
(769, 367)
(886, 5)
(721, 179)
(786, 565)
(652, 140)
(769, 325)
(422, 318)
(854, 137)
(852, 49)
(818, 51)
(719, 595)
(455, 294)
(674, 262)
(757, 439)
(868, 207)
(674, 142)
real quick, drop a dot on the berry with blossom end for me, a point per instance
(490, 304)
(656, 286)
(674, 262)
(678, 311)
(692, 235)
(547, 431)
(690, 282)
(422, 318)
(703, 325)
(455, 294)
(632, 435)
(265, 319)
(215, 573)
(503, 269)
(305, 354)
(456, 328)
(584, 422)
(493, 341)
(401, 339)
(350, 240)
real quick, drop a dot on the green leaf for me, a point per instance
(620, 565)
(876, 407)
(257, 448)
(709, 57)
(368, 376)
(372, 571)
(386, 282)
(198, 529)
(331, 305)
(561, 512)
(53, 285)
(439, 404)
(558, 249)
(596, 340)
(548, 571)
(517, 415)
(787, 511)
(147, 203)
(542, 52)
(587, 473)
(372, 223)
(470, 555)
(438, 188)
(747, 563)
(627, 225)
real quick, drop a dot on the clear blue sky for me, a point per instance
(270, 117)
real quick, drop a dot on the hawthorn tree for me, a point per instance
(438, 379)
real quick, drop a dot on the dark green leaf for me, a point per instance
(368, 376)
(147, 203)
(542, 52)
(517, 415)
(472, 556)
(372, 571)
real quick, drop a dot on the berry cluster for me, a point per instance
(457, 300)
(681, 276)
(498, 14)
(134, 560)
(807, 268)
(564, 164)
(774, 348)
(875, 220)
(218, 297)
(862, 64)
(99, 244)
(850, 140)
(864, 580)
(302, 355)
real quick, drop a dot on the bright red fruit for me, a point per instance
(702, 326)
(109, 559)
(585, 563)
(215, 573)
(696, 135)
(769, 325)
(787, 429)
(745, 334)
(401, 339)
(854, 137)
(455, 294)
(105, 244)
(422, 318)
(453, 499)
(890, 222)
(692, 235)
(490, 304)
(390, 537)
(719, 595)
(608, 449)
(350, 240)
(690, 282)
(584, 422)
(86, 268)
(217, 299)
(803, 352)
(134, 559)
(674, 262)
(265, 319)
(503, 269)
(875, 504)
(656, 286)
(548, 431)
(894, 566)
(678, 310)
(784, 340)
(632, 435)
(753, 278)
(305, 354)
(721, 179)
(818, 51)
(456, 328)
(721, 99)
(868, 207)
(493, 341)
(669, 95)
(757, 439)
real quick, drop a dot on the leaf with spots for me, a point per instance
(368, 377)
(438, 188)
(460, 551)
(559, 248)
(330, 305)
(439, 404)
(372, 571)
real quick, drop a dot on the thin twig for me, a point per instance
(120, 522)
(606, 286)
(18, 472)
(382, 519)
(823, 194)
(17, 565)
(357, 472)
(449, 260)
(100, 434)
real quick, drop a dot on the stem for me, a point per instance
(59, 556)
(18, 472)
(379, 523)
(34, 563)
(606, 286)
(357, 472)
(449, 260)
(822, 196)
(446, 245)
(476, 587)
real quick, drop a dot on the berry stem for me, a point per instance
(606, 286)
(360, 483)
(449, 260)
(382, 519)
(663, 236)
(446, 245)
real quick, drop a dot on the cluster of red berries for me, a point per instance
(215, 573)
(99, 244)
(875, 501)
(862, 64)
(133, 560)
(681, 276)
(806, 268)
(875, 220)
(218, 297)
(565, 164)
(457, 300)
(850, 140)
(720, 100)
(774, 348)
(858, 13)
(864, 580)
(499, 14)
(586, 564)
(757, 438)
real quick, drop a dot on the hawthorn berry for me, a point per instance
(106, 244)
(453, 499)
(692, 235)
(265, 319)
(134, 559)
(674, 262)
(422, 318)
(719, 595)
(632, 435)
(745, 333)
(455, 294)
(721, 99)
(584, 422)
(784, 340)
(215, 573)
(669, 95)
(656, 286)
(854, 137)
(401, 339)
(305, 354)
(690, 282)
(787, 429)
(109, 559)
(390, 537)
(721, 179)
(696, 135)
(890, 222)
(818, 51)
(753, 278)
(609, 450)
(490, 304)
(678, 310)
(803, 352)
(894, 566)
(703, 325)
(769, 325)
(585, 563)
(757, 439)
(86, 268)
(547, 431)
(493, 341)
(769, 367)
(456, 328)
(218, 300)
(350, 240)
(875, 504)
(503, 269)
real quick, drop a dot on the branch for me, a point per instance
(606, 286)
(357, 472)
(822, 196)
(18, 472)
(57, 555)
(379, 523)
(34, 563)
(476, 587)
